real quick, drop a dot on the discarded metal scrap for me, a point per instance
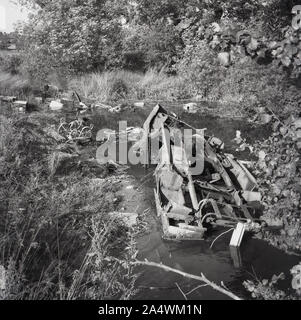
(75, 131)
(223, 194)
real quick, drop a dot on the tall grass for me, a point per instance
(245, 85)
(56, 238)
(115, 85)
(15, 85)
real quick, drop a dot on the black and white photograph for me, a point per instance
(150, 154)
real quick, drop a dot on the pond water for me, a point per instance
(255, 258)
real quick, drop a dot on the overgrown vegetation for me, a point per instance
(231, 52)
(278, 173)
(56, 235)
(269, 289)
(53, 220)
(120, 85)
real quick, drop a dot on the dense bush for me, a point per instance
(181, 37)
(11, 63)
(199, 67)
(278, 175)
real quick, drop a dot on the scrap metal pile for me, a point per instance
(223, 194)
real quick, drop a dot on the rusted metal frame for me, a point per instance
(246, 212)
(191, 188)
(216, 208)
(161, 212)
(250, 176)
(209, 187)
(221, 170)
(216, 163)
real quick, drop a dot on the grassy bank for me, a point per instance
(14, 85)
(241, 92)
(56, 237)
(246, 84)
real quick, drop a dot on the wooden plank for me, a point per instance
(198, 229)
(224, 223)
(192, 192)
(216, 208)
(246, 212)
(185, 234)
(158, 204)
(236, 257)
(237, 234)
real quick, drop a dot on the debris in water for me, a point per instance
(139, 104)
(20, 106)
(8, 98)
(238, 139)
(224, 194)
(75, 130)
(191, 107)
(104, 135)
(55, 105)
(101, 106)
(238, 234)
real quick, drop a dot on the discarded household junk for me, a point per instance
(224, 193)
(16, 105)
(75, 131)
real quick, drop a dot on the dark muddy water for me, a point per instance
(254, 258)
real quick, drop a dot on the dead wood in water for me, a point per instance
(188, 275)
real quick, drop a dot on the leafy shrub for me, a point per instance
(267, 290)
(38, 65)
(11, 63)
(278, 175)
(199, 67)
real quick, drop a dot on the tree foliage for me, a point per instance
(91, 35)
(80, 35)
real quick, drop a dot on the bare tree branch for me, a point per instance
(188, 275)
(183, 294)
(196, 288)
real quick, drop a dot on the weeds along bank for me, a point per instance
(242, 89)
(245, 54)
(248, 86)
(57, 238)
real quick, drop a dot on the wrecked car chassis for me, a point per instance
(223, 194)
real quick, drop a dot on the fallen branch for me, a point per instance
(196, 288)
(188, 275)
(183, 294)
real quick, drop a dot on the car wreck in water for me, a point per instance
(223, 194)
